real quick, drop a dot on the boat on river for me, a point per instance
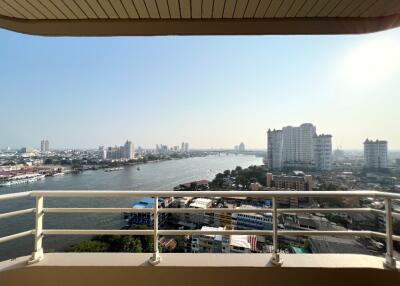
(22, 179)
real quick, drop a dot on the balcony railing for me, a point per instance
(39, 232)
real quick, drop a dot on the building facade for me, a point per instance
(125, 152)
(322, 145)
(44, 146)
(241, 147)
(375, 154)
(275, 148)
(220, 243)
(299, 147)
(298, 144)
(252, 220)
(293, 183)
(148, 218)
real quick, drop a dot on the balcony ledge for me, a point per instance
(198, 269)
(199, 260)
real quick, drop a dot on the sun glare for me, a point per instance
(370, 64)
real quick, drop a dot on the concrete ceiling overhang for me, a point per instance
(198, 17)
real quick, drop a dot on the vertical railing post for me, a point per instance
(37, 254)
(275, 259)
(390, 262)
(155, 259)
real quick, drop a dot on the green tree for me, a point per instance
(89, 246)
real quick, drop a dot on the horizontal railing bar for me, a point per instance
(17, 235)
(331, 210)
(17, 213)
(396, 215)
(97, 232)
(214, 210)
(330, 232)
(396, 237)
(215, 232)
(255, 194)
(15, 196)
(209, 210)
(97, 210)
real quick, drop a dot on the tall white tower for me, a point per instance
(275, 147)
(323, 152)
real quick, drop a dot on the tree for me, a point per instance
(130, 244)
(76, 164)
(89, 246)
(193, 186)
(145, 240)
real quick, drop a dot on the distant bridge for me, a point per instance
(261, 153)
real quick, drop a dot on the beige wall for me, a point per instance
(193, 276)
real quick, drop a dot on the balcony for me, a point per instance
(176, 269)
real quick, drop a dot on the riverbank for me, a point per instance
(164, 175)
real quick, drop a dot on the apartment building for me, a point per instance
(376, 154)
(275, 149)
(44, 146)
(322, 145)
(294, 183)
(299, 147)
(125, 152)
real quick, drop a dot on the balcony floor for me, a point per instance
(196, 269)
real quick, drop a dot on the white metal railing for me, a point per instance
(40, 210)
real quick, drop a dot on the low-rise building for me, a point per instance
(200, 218)
(210, 243)
(292, 183)
(148, 218)
(259, 221)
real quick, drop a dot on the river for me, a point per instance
(152, 176)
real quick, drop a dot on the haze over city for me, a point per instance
(209, 91)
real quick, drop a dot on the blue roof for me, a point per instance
(144, 203)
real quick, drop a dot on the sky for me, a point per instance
(83, 92)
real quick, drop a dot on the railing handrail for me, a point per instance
(274, 211)
(15, 196)
(255, 194)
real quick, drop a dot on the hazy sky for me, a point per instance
(208, 91)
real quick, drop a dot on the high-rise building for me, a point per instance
(298, 144)
(274, 155)
(241, 147)
(297, 147)
(126, 152)
(186, 147)
(375, 154)
(44, 146)
(129, 150)
(322, 145)
(102, 152)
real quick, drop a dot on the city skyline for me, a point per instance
(211, 92)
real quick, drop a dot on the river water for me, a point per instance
(151, 176)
